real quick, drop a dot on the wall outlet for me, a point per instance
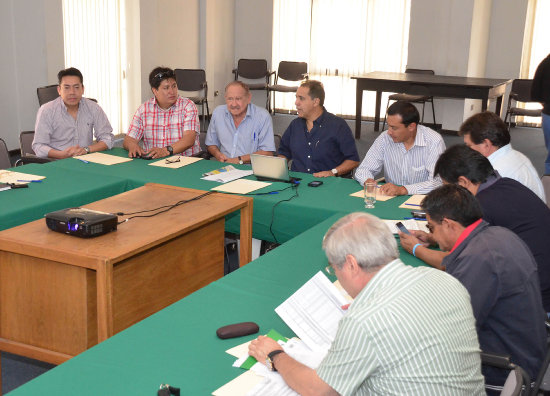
(217, 93)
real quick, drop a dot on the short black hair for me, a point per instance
(71, 71)
(486, 125)
(461, 160)
(316, 90)
(452, 202)
(159, 74)
(407, 111)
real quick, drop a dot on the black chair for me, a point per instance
(28, 156)
(254, 69)
(517, 383)
(546, 184)
(47, 94)
(422, 96)
(5, 162)
(204, 151)
(194, 80)
(520, 92)
(277, 138)
(288, 71)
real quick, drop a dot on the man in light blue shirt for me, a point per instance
(239, 128)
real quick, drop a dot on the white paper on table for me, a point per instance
(379, 196)
(241, 186)
(413, 202)
(240, 385)
(102, 158)
(225, 177)
(174, 165)
(409, 224)
(12, 177)
(239, 350)
(313, 312)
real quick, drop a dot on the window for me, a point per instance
(95, 40)
(339, 39)
(536, 46)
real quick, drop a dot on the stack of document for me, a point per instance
(313, 313)
(224, 177)
(421, 225)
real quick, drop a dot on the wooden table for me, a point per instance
(61, 295)
(426, 84)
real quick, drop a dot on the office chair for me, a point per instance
(289, 71)
(28, 155)
(47, 94)
(277, 138)
(254, 69)
(520, 92)
(5, 162)
(422, 97)
(194, 80)
(517, 383)
(204, 151)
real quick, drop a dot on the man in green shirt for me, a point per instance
(408, 331)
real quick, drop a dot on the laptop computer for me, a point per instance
(269, 168)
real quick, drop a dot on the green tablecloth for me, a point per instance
(61, 189)
(178, 345)
(72, 179)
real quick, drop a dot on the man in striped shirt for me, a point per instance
(167, 123)
(409, 331)
(407, 152)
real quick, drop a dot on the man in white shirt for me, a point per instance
(487, 133)
(407, 152)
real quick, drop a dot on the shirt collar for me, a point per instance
(491, 179)
(467, 231)
(500, 152)
(168, 109)
(249, 111)
(419, 139)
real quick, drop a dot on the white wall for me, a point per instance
(24, 64)
(169, 36)
(253, 35)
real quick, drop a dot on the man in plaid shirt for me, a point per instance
(168, 124)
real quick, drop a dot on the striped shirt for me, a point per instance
(410, 331)
(413, 168)
(56, 129)
(159, 127)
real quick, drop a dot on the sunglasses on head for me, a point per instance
(165, 74)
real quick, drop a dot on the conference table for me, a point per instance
(71, 182)
(426, 85)
(178, 344)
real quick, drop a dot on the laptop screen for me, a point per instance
(269, 168)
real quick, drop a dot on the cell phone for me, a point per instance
(418, 214)
(15, 185)
(315, 183)
(402, 228)
(148, 156)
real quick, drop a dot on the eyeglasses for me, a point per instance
(172, 161)
(330, 270)
(164, 74)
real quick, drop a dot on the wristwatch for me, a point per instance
(87, 149)
(334, 172)
(269, 359)
(241, 160)
(170, 150)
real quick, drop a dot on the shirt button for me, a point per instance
(309, 156)
(309, 143)
(308, 170)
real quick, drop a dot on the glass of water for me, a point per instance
(370, 194)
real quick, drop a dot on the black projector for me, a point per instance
(81, 222)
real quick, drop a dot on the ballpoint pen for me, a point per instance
(86, 162)
(30, 181)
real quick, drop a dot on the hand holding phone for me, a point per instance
(402, 228)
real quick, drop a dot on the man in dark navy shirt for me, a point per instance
(318, 142)
(500, 274)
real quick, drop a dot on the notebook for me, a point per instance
(266, 167)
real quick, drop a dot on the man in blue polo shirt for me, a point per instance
(239, 128)
(317, 141)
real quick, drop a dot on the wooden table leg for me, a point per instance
(104, 281)
(358, 106)
(245, 255)
(377, 113)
